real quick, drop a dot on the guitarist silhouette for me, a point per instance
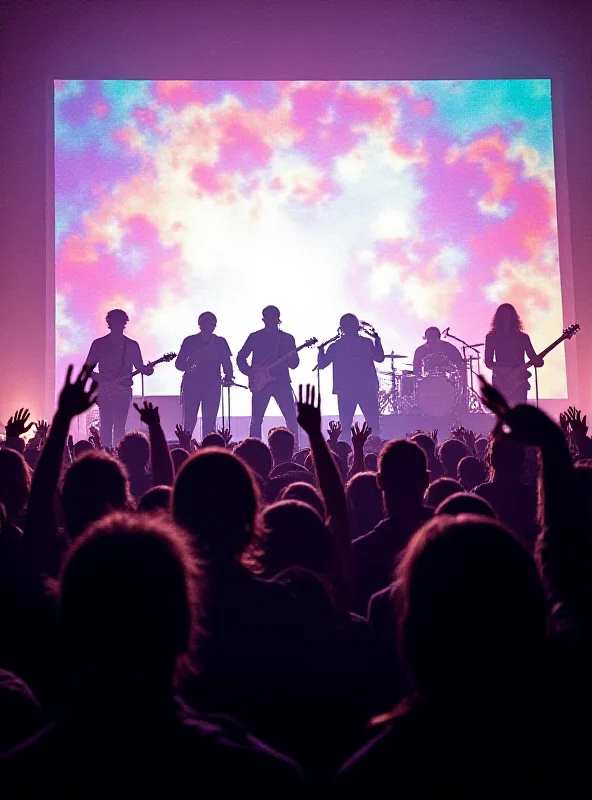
(116, 357)
(267, 346)
(506, 345)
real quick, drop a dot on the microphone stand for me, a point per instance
(228, 386)
(316, 368)
(473, 397)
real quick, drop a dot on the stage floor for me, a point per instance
(393, 426)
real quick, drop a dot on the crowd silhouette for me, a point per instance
(386, 618)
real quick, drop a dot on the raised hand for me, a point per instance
(17, 424)
(184, 437)
(434, 436)
(148, 414)
(524, 423)
(564, 424)
(94, 437)
(226, 435)
(42, 431)
(577, 424)
(71, 446)
(334, 432)
(360, 435)
(194, 445)
(309, 411)
(76, 396)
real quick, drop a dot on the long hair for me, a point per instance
(508, 309)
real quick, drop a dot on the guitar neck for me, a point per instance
(285, 357)
(547, 350)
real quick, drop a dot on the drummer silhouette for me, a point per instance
(435, 346)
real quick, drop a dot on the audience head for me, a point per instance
(256, 455)
(82, 446)
(471, 472)
(128, 604)
(343, 449)
(402, 474)
(506, 457)
(93, 485)
(134, 451)
(364, 503)
(427, 444)
(465, 503)
(300, 456)
(216, 499)
(481, 446)
(281, 443)
(158, 498)
(371, 462)
(439, 490)
(305, 493)
(295, 536)
(349, 324)
(451, 452)
(179, 456)
(15, 483)
(213, 440)
(471, 606)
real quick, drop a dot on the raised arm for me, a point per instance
(76, 397)
(160, 456)
(359, 438)
(377, 350)
(564, 547)
(331, 487)
(243, 354)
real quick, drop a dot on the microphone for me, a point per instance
(445, 332)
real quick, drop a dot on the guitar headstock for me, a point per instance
(311, 342)
(169, 356)
(571, 331)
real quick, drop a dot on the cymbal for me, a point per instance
(395, 355)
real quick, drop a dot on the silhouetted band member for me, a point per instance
(506, 345)
(267, 346)
(355, 381)
(201, 358)
(434, 345)
(117, 357)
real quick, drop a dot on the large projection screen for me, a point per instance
(409, 203)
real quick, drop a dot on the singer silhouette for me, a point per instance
(355, 381)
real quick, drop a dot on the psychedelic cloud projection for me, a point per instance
(409, 203)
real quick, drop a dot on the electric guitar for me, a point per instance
(117, 382)
(260, 375)
(509, 379)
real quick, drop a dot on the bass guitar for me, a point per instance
(260, 375)
(509, 379)
(118, 383)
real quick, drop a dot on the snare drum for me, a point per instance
(436, 396)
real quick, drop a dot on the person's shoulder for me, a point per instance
(131, 342)
(190, 339)
(484, 489)
(367, 769)
(288, 337)
(228, 741)
(100, 340)
(368, 539)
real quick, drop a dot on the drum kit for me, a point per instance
(439, 389)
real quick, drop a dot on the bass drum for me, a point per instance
(436, 396)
